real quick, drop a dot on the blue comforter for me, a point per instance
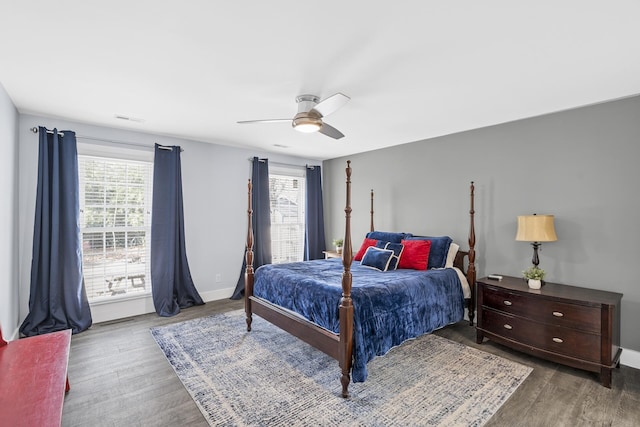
(389, 307)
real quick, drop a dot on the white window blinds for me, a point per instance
(288, 199)
(115, 222)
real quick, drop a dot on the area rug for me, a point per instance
(267, 377)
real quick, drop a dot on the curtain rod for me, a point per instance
(285, 164)
(91, 138)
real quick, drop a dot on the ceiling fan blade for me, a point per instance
(265, 121)
(331, 104)
(329, 130)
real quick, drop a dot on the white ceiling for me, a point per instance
(413, 69)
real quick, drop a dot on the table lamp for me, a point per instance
(536, 229)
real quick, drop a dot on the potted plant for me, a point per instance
(338, 244)
(534, 276)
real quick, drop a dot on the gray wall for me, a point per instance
(8, 214)
(579, 165)
(215, 204)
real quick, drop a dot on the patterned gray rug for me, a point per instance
(269, 378)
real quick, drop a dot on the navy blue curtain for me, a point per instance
(57, 299)
(314, 242)
(171, 283)
(261, 221)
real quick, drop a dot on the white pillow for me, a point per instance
(451, 255)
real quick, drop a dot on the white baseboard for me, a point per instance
(106, 312)
(114, 310)
(630, 358)
(217, 294)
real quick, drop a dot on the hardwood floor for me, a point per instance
(557, 395)
(119, 377)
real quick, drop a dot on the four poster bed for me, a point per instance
(356, 311)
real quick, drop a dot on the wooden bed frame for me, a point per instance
(338, 346)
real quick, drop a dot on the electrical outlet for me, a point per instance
(218, 278)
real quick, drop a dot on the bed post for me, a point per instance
(371, 228)
(346, 304)
(471, 270)
(248, 275)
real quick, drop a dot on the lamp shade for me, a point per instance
(536, 228)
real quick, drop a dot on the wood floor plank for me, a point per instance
(521, 402)
(120, 377)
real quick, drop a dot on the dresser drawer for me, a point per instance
(510, 302)
(548, 337)
(568, 315)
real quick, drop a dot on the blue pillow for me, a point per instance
(387, 236)
(377, 258)
(397, 251)
(439, 250)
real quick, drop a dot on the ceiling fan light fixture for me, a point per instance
(306, 124)
(310, 114)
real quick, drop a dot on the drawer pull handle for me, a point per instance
(558, 340)
(508, 326)
(558, 314)
(507, 302)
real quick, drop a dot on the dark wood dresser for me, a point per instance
(574, 326)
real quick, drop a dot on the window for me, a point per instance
(288, 199)
(115, 222)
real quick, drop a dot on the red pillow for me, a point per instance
(415, 254)
(365, 244)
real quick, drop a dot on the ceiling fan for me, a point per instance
(310, 113)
